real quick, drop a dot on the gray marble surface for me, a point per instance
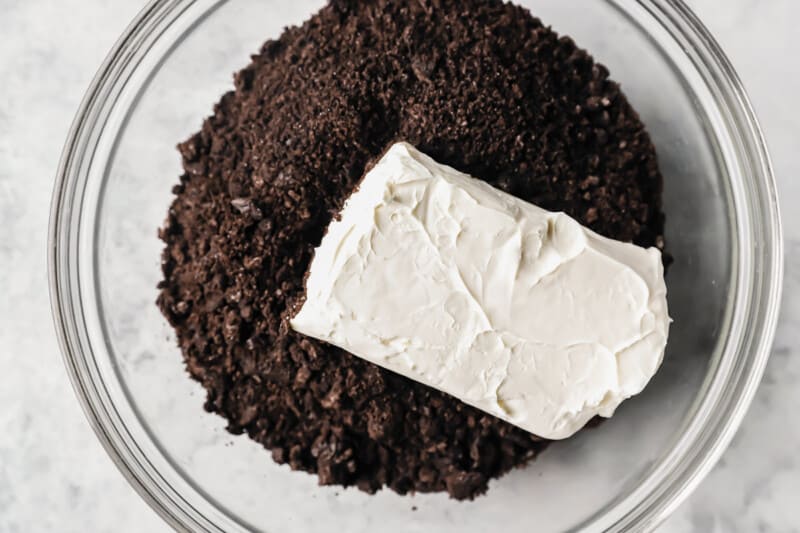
(54, 476)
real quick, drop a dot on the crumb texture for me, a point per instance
(479, 85)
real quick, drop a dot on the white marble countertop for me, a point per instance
(54, 476)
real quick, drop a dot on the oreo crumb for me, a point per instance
(479, 85)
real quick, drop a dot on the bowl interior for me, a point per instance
(231, 481)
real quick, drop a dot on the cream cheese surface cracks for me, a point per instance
(520, 312)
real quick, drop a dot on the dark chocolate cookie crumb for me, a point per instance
(477, 84)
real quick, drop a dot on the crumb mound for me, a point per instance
(480, 85)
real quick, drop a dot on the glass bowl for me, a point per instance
(113, 189)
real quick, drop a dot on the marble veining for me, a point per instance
(54, 476)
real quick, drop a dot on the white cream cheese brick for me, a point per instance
(520, 312)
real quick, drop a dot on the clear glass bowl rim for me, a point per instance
(730, 386)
